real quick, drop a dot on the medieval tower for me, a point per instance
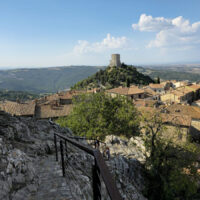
(115, 60)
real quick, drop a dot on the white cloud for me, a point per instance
(177, 32)
(107, 43)
(148, 23)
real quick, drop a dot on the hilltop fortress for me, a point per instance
(115, 60)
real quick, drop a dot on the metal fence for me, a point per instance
(99, 167)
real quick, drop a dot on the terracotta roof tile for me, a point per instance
(195, 87)
(174, 119)
(145, 102)
(183, 120)
(49, 111)
(19, 109)
(192, 111)
(135, 90)
(156, 85)
(150, 91)
(126, 90)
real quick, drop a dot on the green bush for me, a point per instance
(98, 115)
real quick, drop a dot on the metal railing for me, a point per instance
(99, 167)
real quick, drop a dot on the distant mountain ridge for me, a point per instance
(53, 79)
(44, 80)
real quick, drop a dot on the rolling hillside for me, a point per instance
(44, 80)
(173, 72)
(53, 79)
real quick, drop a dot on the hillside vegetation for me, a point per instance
(168, 73)
(14, 95)
(114, 115)
(114, 77)
(44, 80)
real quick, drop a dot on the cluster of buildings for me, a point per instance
(52, 106)
(178, 103)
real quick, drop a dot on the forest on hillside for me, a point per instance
(114, 77)
(17, 95)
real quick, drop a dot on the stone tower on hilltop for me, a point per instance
(115, 60)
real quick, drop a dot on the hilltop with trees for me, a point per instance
(114, 77)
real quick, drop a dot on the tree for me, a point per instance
(100, 115)
(127, 82)
(158, 80)
(171, 168)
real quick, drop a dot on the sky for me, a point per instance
(43, 33)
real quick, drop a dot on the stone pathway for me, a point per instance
(52, 185)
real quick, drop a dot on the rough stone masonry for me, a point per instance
(115, 60)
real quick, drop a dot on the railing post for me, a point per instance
(66, 148)
(62, 157)
(96, 182)
(56, 149)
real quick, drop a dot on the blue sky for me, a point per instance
(36, 33)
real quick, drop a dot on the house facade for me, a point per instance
(132, 92)
(158, 88)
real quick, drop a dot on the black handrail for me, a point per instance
(84, 138)
(99, 167)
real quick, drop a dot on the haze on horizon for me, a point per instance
(46, 33)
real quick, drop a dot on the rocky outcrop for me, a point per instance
(23, 142)
(126, 165)
(28, 169)
(129, 148)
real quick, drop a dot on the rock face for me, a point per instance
(28, 169)
(126, 161)
(23, 143)
(132, 148)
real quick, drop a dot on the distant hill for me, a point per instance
(113, 77)
(14, 95)
(173, 72)
(53, 79)
(44, 80)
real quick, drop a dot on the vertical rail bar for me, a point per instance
(96, 182)
(62, 157)
(56, 149)
(66, 148)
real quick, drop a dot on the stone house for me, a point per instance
(45, 111)
(191, 111)
(158, 88)
(167, 84)
(196, 89)
(132, 92)
(177, 127)
(177, 84)
(180, 95)
(52, 106)
(151, 94)
(145, 103)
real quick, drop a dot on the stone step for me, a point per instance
(53, 185)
